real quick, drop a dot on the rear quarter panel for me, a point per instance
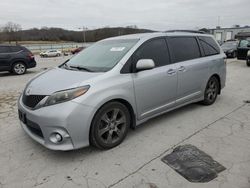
(218, 66)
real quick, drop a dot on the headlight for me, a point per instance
(248, 53)
(66, 95)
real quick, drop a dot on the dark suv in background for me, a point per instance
(243, 48)
(16, 59)
(248, 58)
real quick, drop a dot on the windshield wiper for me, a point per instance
(66, 66)
(81, 68)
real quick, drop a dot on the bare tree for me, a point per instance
(11, 29)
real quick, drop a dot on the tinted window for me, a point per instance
(209, 46)
(15, 48)
(244, 43)
(156, 50)
(184, 48)
(4, 49)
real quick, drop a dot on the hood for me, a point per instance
(225, 49)
(59, 79)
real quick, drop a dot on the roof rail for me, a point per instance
(186, 31)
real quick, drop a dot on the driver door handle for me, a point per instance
(171, 72)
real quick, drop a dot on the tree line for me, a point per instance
(13, 32)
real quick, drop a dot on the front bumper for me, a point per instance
(230, 54)
(70, 119)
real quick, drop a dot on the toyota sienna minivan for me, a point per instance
(117, 84)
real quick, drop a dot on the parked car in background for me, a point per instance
(230, 48)
(248, 58)
(220, 42)
(118, 83)
(51, 53)
(243, 48)
(77, 50)
(16, 59)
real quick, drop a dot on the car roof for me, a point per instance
(142, 36)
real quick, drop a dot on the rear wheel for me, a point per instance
(19, 68)
(110, 125)
(248, 62)
(211, 91)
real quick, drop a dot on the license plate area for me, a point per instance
(22, 116)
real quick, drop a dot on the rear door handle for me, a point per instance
(182, 69)
(171, 72)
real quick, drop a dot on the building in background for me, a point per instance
(224, 34)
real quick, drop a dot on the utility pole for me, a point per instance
(84, 29)
(218, 20)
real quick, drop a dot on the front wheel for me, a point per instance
(211, 91)
(19, 68)
(110, 125)
(234, 54)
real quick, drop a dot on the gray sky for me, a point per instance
(151, 14)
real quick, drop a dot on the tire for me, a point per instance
(248, 62)
(234, 54)
(211, 91)
(19, 68)
(110, 125)
(58, 55)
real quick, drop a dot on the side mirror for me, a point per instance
(145, 64)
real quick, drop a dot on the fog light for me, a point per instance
(56, 138)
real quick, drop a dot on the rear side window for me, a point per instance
(184, 48)
(156, 50)
(209, 46)
(4, 49)
(15, 49)
(25, 49)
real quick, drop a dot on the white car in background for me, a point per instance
(51, 53)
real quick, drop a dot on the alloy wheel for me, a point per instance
(112, 126)
(19, 68)
(211, 90)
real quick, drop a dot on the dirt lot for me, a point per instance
(221, 130)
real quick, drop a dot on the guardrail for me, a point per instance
(64, 47)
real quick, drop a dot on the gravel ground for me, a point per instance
(221, 130)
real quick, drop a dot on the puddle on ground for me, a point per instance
(8, 101)
(193, 164)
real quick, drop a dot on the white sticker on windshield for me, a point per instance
(117, 49)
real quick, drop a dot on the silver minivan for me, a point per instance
(117, 84)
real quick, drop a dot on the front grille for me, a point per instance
(32, 100)
(34, 128)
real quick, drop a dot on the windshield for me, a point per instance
(229, 44)
(102, 56)
(244, 43)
